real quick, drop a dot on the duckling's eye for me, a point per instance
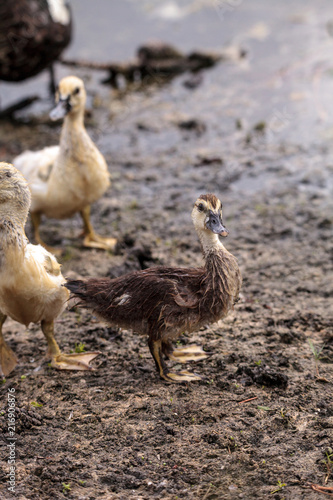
(201, 207)
(76, 91)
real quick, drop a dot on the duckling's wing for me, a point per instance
(45, 259)
(51, 265)
(185, 298)
(35, 290)
(138, 291)
(36, 166)
(183, 284)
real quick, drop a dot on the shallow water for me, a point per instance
(284, 83)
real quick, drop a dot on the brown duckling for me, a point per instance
(31, 288)
(163, 302)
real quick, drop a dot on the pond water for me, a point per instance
(283, 85)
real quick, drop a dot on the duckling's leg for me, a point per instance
(155, 347)
(184, 354)
(91, 238)
(75, 361)
(35, 218)
(8, 360)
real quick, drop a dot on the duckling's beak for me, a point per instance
(215, 224)
(62, 108)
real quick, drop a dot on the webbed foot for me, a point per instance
(188, 353)
(92, 239)
(183, 376)
(75, 361)
(95, 241)
(8, 360)
(155, 347)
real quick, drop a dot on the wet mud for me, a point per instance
(260, 423)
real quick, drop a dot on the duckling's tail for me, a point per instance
(77, 287)
(92, 293)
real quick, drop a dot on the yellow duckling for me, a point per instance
(31, 288)
(68, 178)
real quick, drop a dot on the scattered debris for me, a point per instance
(204, 160)
(193, 81)
(157, 62)
(23, 103)
(247, 400)
(193, 125)
(322, 489)
(261, 375)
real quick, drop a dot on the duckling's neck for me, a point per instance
(12, 236)
(210, 243)
(74, 139)
(222, 273)
(74, 119)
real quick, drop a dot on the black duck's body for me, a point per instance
(33, 33)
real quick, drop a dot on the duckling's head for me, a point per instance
(14, 194)
(207, 216)
(70, 98)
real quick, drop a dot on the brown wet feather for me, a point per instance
(163, 302)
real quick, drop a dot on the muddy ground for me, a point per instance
(260, 423)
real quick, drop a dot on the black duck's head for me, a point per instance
(207, 215)
(70, 98)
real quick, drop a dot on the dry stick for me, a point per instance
(168, 67)
(24, 103)
(322, 489)
(206, 494)
(247, 400)
(317, 369)
(328, 471)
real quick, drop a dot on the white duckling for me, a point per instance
(31, 288)
(68, 178)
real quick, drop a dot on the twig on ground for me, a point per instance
(247, 400)
(322, 489)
